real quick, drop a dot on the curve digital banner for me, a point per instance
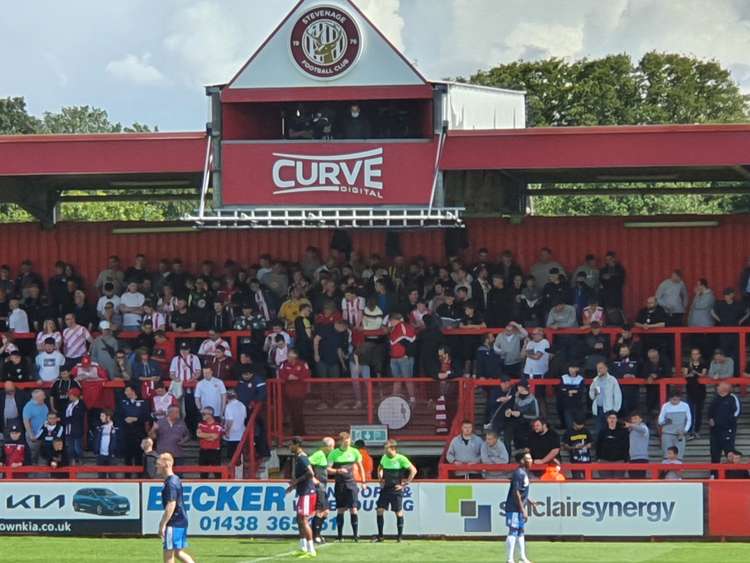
(74, 508)
(327, 174)
(449, 509)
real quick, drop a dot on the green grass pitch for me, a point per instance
(246, 550)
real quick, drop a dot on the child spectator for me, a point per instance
(672, 458)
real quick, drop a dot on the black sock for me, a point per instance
(381, 522)
(340, 525)
(400, 526)
(355, 524)
(316, 526)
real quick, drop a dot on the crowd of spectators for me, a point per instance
(356, 317)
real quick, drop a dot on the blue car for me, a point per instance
(100, 501)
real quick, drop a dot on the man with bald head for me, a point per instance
(319, 463)
(652, 316)
(174, 522)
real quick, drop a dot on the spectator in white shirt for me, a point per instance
(235, 416)
(18, 320)
(209, 345)
(162, 400)
(131, 307)
(49, 361)
(108, 297)
(186, 367)
(211, 392)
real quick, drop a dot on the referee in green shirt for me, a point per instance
(394, 472)
(341, 462)
(319, 463)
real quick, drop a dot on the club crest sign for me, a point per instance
(325, 42)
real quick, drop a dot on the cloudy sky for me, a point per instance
(147, 61)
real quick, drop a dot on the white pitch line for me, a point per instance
(281, 555)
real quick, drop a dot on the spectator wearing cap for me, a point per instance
(108, 296)
(722, 366)
(131, 307)
(18, 320)
(88, 370)
(186, 368)
(17, 369)
(612, 278)
(49, 330)
(104, 349)
(131, 416)
(74, 422)
(12, 401)
(251, 392)
(49, 361)
(730, 312)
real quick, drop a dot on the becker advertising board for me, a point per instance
(450, 509)
(327, 174)
(76, 508)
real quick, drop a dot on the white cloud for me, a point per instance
(135, 69)
(540, 40)
(386, 16)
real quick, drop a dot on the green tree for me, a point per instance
(661, 88)
(14, 119)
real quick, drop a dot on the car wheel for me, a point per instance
(99, 510)
(76, 508)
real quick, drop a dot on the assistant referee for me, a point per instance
(395, 472)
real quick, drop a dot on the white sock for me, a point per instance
(522, 547)
(303, 544)
(311, 547)
(510, 543)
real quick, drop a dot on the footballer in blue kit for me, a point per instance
(516, 513)
(174, 523)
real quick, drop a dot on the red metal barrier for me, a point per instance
(652, 470)
(247, 443)
(74, 471)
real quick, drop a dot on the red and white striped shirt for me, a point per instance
(353, 311)
(185, 368)
(158, 320)
(75, 341)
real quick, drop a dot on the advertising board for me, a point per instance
(327, 174)
(70, 508)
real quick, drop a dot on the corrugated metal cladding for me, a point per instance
(719, 254)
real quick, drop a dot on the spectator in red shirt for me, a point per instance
(209, 441)
(15, 450)
(293, 373)
(401, 337)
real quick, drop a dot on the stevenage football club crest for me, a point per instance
(325, 42)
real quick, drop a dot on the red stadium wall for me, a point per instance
(647, 254)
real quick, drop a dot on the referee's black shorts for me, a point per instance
(346, 494)
(390, 499)
(321, 502)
